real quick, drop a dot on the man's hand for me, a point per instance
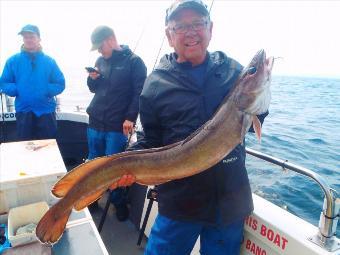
(94, 75)
(125, 180)
(127, 127)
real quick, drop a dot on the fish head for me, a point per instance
(252, 91)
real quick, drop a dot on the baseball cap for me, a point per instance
(99, 34)
(178, 5)
(30, 29)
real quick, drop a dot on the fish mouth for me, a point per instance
(257, 63)
(253, 95)
(261, 58)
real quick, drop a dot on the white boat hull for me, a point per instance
(269, 230)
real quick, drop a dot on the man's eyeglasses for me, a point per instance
(184, 28)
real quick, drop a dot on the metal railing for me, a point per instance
(8, 105)
(330, 214)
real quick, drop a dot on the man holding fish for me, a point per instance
(179, 96)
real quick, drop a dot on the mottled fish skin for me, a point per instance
(207, 146)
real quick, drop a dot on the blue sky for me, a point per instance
(304, 33)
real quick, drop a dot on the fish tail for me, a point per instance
(51, 226)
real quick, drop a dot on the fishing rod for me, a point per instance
(211, 5)
(139, 38)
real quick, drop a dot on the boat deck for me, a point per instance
(118, 237)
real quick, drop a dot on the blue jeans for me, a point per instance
(31, 127)
(172, 237)
(104, 144)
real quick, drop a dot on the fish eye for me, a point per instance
(251, 70)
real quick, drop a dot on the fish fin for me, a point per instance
(51, 227)
(62, 187)
(151, 182)
(257, 127)
(86, 201)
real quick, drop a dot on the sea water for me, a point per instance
(303, 127)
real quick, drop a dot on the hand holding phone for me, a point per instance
(91, 70)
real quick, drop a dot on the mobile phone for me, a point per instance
(91, 70)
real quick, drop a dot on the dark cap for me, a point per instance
(196, 5)
(99, 35)
(30, 29)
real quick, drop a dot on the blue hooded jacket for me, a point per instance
(34, 79)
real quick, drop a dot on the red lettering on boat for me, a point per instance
(254, 248)
(276, 238)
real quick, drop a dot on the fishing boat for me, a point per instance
(269, 230)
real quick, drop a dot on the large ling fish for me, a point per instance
(249, 97)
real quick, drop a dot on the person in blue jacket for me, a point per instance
(34, 79)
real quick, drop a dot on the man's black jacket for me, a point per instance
(171, 108)
(117, 90)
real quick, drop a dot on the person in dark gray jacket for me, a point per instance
(179, 96)
(116, 82)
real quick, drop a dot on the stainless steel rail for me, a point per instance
(329, 216)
